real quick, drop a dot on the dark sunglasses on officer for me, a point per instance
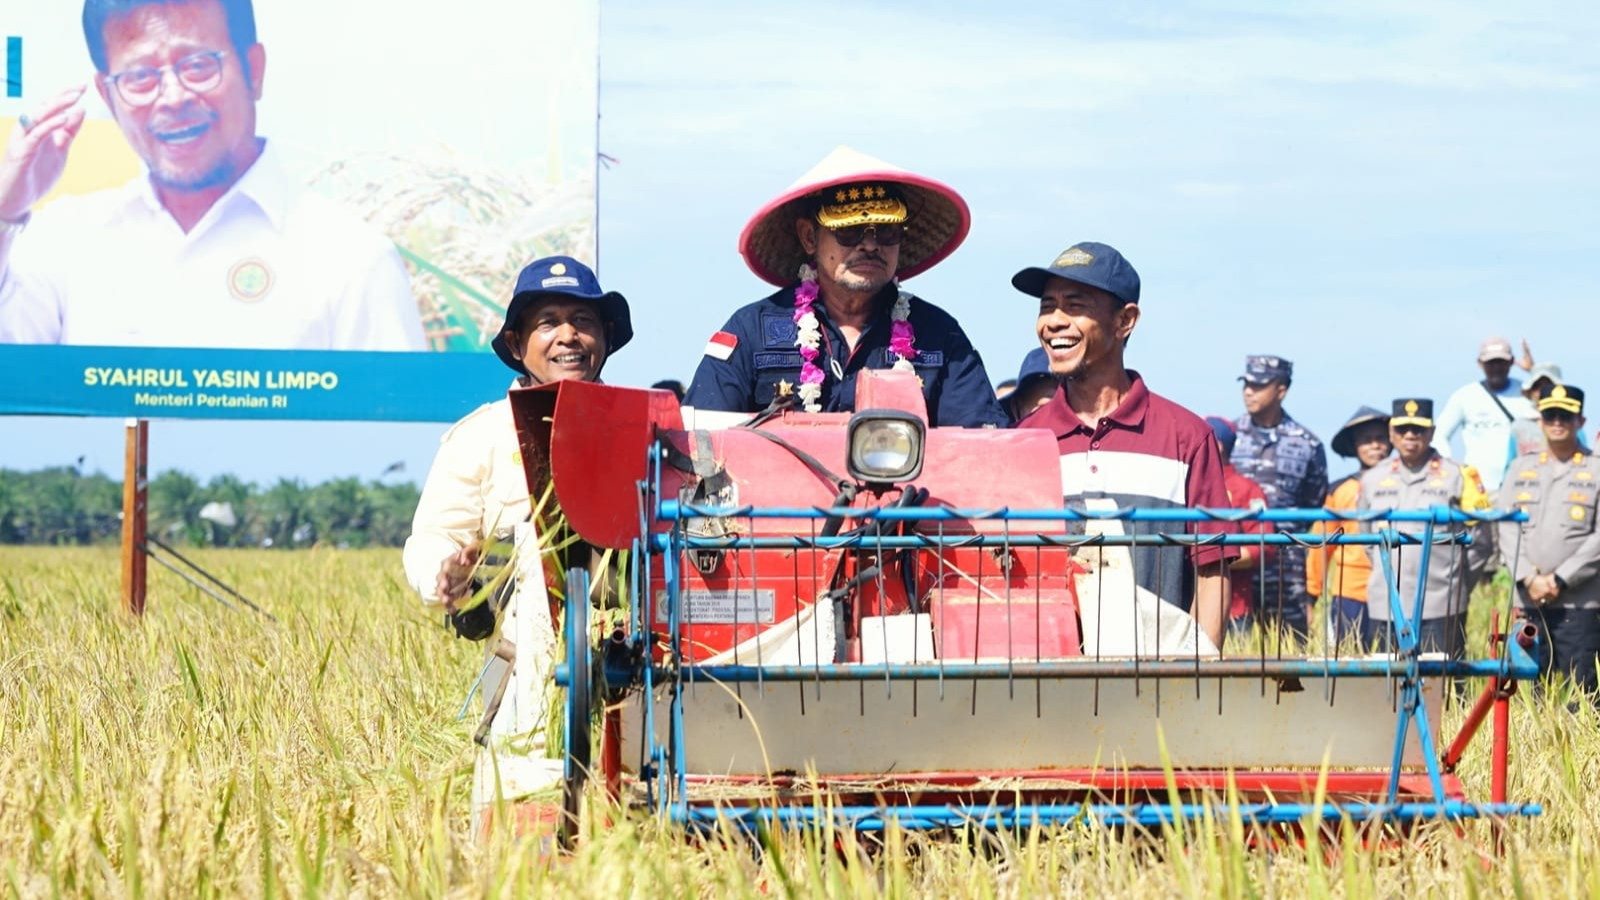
(883, 235)
(1556, 415)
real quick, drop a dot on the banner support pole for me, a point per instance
(135, 515)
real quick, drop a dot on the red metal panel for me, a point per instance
(888, 389)
(598, 438)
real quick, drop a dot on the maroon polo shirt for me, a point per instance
(1149, 453)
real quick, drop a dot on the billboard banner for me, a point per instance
(303, 210)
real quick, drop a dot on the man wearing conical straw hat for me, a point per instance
(837, 243)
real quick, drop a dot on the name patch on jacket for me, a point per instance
(778, 360)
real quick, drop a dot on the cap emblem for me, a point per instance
(1411, 407)
(558, 269)
(1559, 392)
(862, 204)
(1074, 256)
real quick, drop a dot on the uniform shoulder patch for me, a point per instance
(721, 345)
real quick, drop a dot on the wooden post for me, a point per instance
(134, 515)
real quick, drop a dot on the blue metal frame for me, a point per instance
(1406, 666)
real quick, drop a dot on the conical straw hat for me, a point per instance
(937, 223)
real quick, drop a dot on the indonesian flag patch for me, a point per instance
(721, 345)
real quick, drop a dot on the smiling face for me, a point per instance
(862, 269)
(191, 140)
(557, 340)
(1561, 428)
(1371, 440)
(1082, 329)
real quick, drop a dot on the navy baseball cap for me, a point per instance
(1036, 363)
(1262, 369)
(1223, 429)
(1097, 265)
(563, 277)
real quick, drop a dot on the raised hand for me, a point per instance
(35, 155)
(1526, 362)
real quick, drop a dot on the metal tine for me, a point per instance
(883, 613)
(755, 610)
(1099, 607)
(1160, 586)
(977, 628)
(1133, 566)
(1005, 573)
(943, 644)
(1038, 626)
(685, 610)
(794, 576)
(1332, 599)
(816, 633)
(1260, 627)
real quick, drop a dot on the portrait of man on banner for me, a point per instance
(228, 234)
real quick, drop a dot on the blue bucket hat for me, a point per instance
(563, 277)
(1223, 429)
(1097, 265)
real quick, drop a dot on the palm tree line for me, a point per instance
(62, 506)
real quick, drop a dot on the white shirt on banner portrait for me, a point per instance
(272, 265)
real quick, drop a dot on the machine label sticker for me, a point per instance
(709, 607)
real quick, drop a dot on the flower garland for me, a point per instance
(902, 337)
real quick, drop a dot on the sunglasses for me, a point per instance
(1409, 429)
(884, 235)
(1556, 415)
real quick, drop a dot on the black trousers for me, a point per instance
(1569, 639)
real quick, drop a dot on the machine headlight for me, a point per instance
(885, 445)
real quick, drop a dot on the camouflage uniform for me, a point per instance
(1290, 464)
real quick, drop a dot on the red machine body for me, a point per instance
(985, 603)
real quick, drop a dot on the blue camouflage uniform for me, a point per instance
(764, 361)
(1290, 464)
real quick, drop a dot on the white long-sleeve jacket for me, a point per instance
(476, 489)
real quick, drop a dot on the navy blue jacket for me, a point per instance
(953, 380)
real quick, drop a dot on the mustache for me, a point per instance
(866, 256)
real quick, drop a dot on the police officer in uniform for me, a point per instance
(1417, 477)
(1290, 464)
(836, 244)
(1555, 555)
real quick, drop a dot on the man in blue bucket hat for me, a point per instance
(1121, 444)
(560, 324)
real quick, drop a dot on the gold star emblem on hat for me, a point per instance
(1411, 407)
(558, 269)
(855, 193)
(785, 389)
(1559, 392)
(838, 196)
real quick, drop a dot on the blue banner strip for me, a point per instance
(14, 66)
(148, 383)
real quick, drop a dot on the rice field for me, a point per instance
(203, 752)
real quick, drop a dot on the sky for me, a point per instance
(1368, 189)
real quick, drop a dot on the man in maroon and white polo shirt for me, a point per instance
(1122, 445)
